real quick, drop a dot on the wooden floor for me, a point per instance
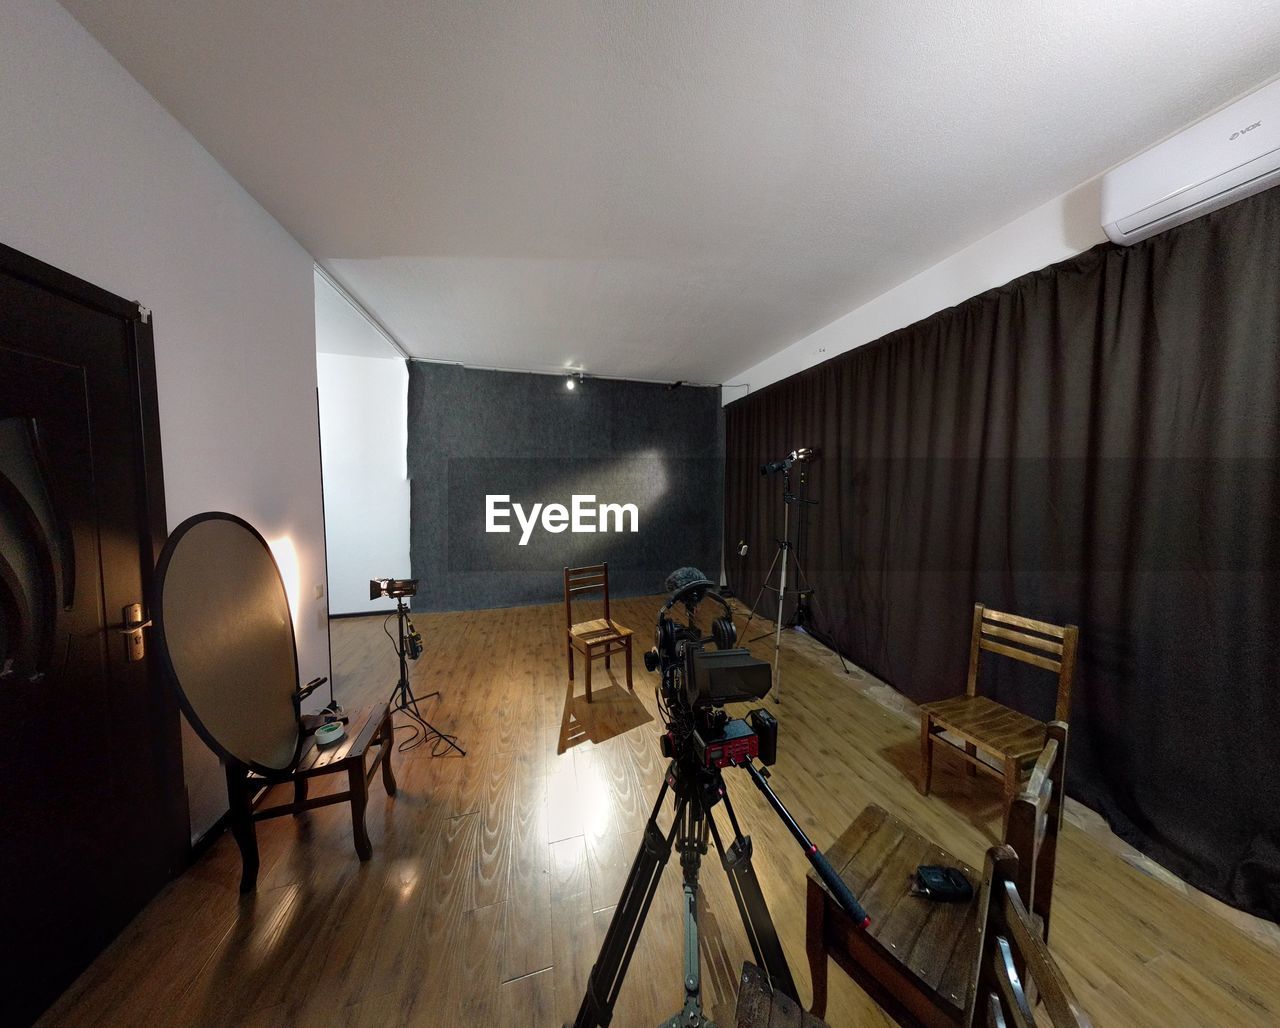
(494, 875)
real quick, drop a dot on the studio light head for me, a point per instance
(392, 588)
(800, 456)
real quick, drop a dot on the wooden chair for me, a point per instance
(601, 637)
(982, 724)
(917, 957)
(1010, 949)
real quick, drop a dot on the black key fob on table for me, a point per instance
(947, 884)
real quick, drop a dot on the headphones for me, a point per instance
(723, 632)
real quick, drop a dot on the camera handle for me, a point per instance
(834, 883)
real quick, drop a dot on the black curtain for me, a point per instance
(1095, 443)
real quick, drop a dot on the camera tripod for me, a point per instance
(403, 698)
(697, 789)
(802, 618)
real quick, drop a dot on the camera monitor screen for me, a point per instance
(727, 676)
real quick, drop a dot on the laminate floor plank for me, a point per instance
(530, 999)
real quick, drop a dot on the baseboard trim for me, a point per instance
(202, 843)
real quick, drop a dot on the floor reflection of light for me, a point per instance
(404, 879)
(275, 928)
(596, 803)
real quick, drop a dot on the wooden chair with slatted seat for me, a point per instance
(1013, 964)
(983, 725)
(601, 637)
(918, 955)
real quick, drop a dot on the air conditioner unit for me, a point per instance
(1218, 160)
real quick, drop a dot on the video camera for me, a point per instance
(697, 682)
(700, 741)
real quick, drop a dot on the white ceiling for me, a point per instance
(666, 190)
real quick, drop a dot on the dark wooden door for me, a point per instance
(93, 813)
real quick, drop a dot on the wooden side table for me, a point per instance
(355, 754)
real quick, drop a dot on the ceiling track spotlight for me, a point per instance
(573, 380)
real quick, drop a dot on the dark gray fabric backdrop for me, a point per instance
(1097, 443)
(474, 433)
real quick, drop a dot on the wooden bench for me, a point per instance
(759, 1006)
(354, 754)
(918, 957)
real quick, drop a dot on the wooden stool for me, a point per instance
(245, 788)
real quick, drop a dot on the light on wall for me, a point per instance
(286, 555)
(573, 380)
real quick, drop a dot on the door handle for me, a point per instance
(134, 642)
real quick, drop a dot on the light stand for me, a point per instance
(806, 599)
(783, 552)
(802, 618)
(403, 699)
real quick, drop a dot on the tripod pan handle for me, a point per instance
(820, 863)
(838, 889)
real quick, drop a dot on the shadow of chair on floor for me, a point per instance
(975, 799)
(613, 711)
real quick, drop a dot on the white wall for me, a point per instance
(99, 180)
(363, 429)
(1065, 226)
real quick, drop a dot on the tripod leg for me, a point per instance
(407, 703)
(403, 699)
(813, 630)
(757, 921)
(692, 843)
(610, 968)
(760, 595)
